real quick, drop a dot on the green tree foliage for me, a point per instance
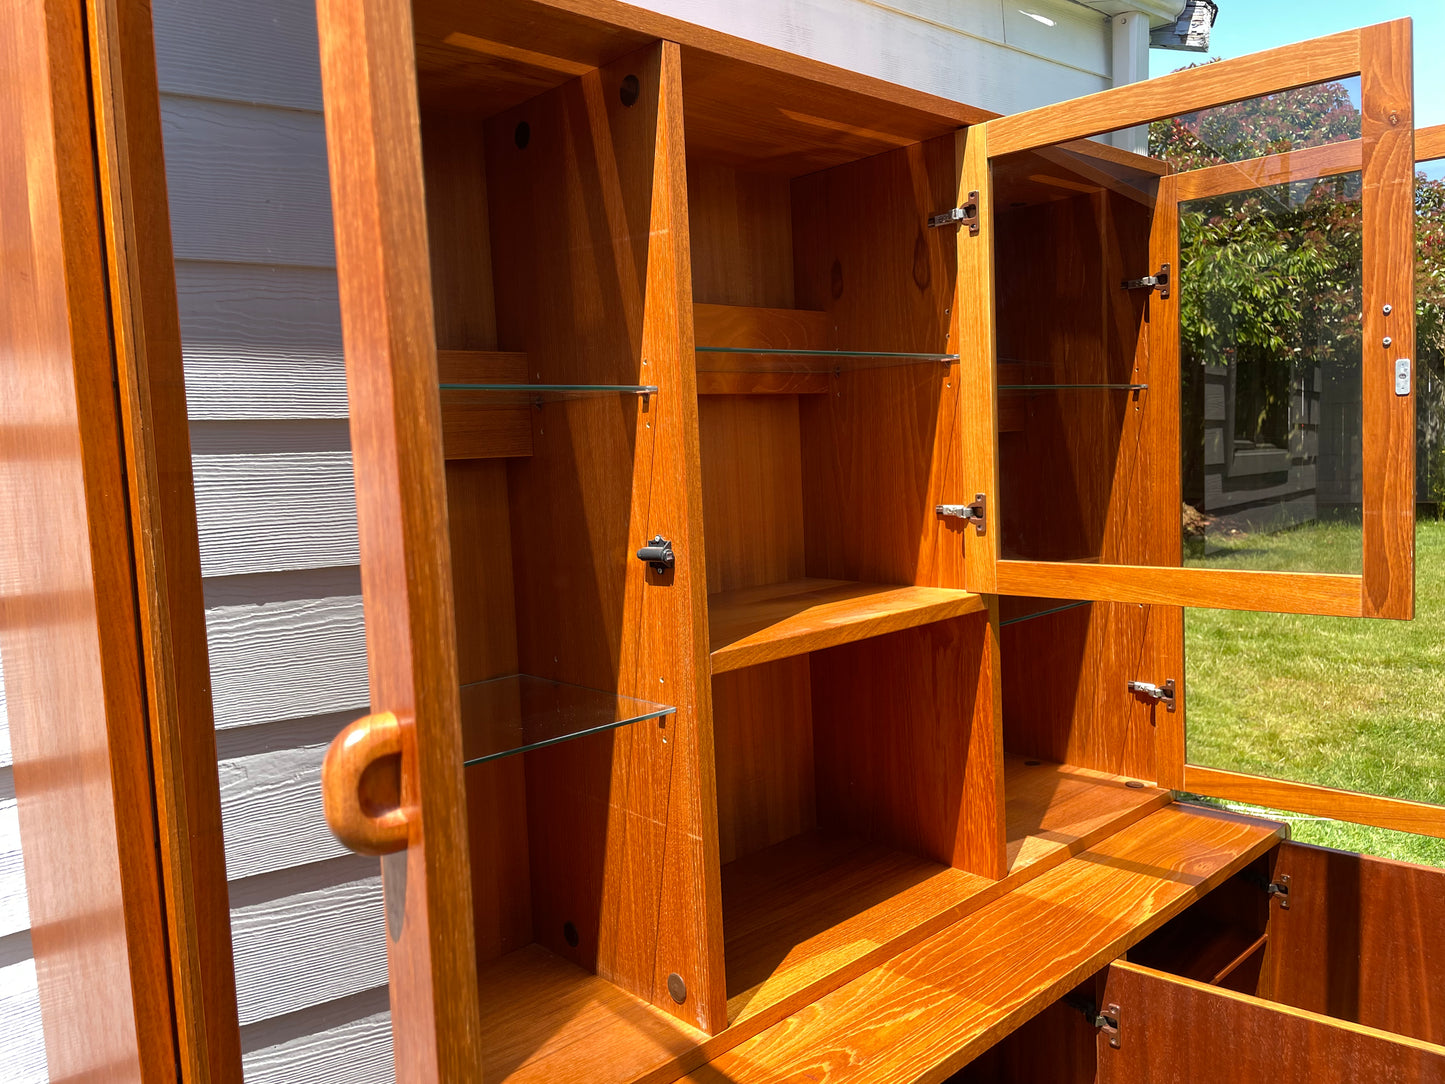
(1270, 282)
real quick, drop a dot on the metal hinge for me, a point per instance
(1106, 1021)
(1158, 281)
(976, 513)
(967, 215)
(1154, 692)
(1279, 887)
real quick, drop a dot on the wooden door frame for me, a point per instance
(110, 703)
(1395, 814)
(373, 142)
(1381, 56)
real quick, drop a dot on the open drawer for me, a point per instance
(1307, 965)
(1182, 1031)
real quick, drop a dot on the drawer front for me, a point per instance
(1362, 939)
(1177, 1031)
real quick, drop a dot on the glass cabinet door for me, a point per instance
(1196, 342)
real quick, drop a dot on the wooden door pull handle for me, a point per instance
(361, 785)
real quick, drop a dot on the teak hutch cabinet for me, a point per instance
(769, 486)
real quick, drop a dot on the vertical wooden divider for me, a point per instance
(374, 150)
(147, 342)
(1387, 133)
(588, 194)
(976, 337)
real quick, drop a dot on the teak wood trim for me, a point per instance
(1214, 588)
(353, 771)
(1273, 70)
(1430, 143)
(165, 538)
(1388, 210)
(373, 141)
(975, 331)
(1396, 814)
(1301, 165)
(69, 624)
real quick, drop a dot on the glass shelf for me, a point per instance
(1073, 387)
(527, 394)
(513, 714)
(741, 359)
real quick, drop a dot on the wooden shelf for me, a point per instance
(546, 1019)
(758, 624)
(801, 919)
(800, 916)
(938, 1005)
(1056, 810)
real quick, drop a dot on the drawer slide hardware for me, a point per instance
(967, 215)
(1107, 1021)
(1154, 692)
(975, 513)
(1157, 281)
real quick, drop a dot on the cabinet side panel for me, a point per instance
(589, 224)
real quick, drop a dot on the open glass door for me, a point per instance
(1198, 354)
(1323, 716)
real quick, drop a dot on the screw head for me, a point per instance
(1387, 309)
(677, 988)
(1386, 341)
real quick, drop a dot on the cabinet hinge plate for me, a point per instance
(967, 215)
(976, 513)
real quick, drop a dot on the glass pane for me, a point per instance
(1291, 120)
(1335, 701)
(514, 714)
(522, 394)
(1267, 299)
(1430, 336)
(1270, 360)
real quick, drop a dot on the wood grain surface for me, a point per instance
(1221, 589)
(69, 626)
(1178, 1031)
(929, 1011)
(589, 217)
(759, 624)
(1316, 61)
(793, 934)
(165, 538)
(1301, 165)
(1430, 143)
(388, 330)
(1396, 814)
(1388, 211)
(1363, 940)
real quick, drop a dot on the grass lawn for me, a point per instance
(1341, 702)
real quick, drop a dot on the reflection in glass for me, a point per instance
(1270, 356)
